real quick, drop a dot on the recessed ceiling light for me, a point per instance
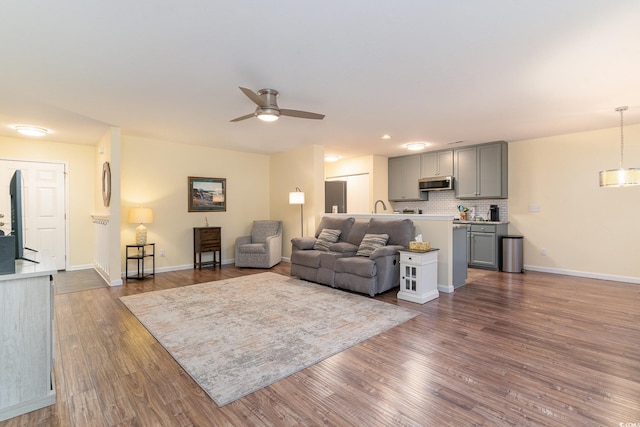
(385, 136)
(416, 146)
(331, 158)
(31, 130)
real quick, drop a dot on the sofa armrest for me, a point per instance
(386, 251)
(343, 248)
(303, 243)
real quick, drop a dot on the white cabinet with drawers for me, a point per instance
(418, 276)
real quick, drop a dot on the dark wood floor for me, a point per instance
(506, 349)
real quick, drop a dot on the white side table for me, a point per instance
(418, 276)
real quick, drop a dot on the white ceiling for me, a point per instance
(419, 70)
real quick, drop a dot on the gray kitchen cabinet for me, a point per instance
(484, 245)
(404, 173)
(481, 171)
(439, 163)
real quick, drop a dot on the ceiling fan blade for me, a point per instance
(301, 114)
(253, 96)
(248, 116)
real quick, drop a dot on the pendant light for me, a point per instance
(620, 177)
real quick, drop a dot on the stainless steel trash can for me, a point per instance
(512, 259)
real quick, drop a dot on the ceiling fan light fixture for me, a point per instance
(31, 130)
(268, 114)
(620, 177)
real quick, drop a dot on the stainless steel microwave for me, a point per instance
(436, 183)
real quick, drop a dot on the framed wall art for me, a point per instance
(207, 194)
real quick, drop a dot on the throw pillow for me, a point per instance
(371, 242)
(325, 239)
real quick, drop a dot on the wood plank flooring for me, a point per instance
(505, 349)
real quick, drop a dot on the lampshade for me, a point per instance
(296, 198)
(141, 216)
(620, 177)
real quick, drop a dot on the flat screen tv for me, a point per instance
(17, 226)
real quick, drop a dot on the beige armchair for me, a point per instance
(262, 248)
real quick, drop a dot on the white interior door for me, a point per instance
(44, 206)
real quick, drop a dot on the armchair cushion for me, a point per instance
(253, 248)
(370, 243)
(263, 229)
(326, 237)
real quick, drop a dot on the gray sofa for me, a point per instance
(344, 263)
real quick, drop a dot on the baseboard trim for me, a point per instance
(79, 267)
(587, 274)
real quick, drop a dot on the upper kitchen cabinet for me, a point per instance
(439, 163)
(404, 173)
(481, 171)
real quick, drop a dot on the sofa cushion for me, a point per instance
(326, 237)
(342, 224)
(400, 231)
(371, 242)
(309, 258)
(359, 266)
(357, 232)
(344, 248)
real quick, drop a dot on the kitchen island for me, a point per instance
(440, 231)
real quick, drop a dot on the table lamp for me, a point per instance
(141, 216)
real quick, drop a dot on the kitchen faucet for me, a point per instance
(375, 206)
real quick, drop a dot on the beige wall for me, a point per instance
(375, 166)
(81, 172)
(155, 175)
(303, 168)
(585, 228)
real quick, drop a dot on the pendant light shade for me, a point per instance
(620, 177)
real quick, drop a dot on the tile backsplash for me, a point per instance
(445, 203)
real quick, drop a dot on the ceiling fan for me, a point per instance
(267, 107)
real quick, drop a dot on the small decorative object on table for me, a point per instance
(419, 246)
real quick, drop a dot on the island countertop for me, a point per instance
(422, 217)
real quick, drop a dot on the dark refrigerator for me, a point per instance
(335, 194)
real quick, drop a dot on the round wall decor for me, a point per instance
(106, 184)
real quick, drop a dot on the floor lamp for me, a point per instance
(297, 198)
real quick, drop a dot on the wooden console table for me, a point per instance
(207, 239)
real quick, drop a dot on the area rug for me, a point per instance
(239, 335)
